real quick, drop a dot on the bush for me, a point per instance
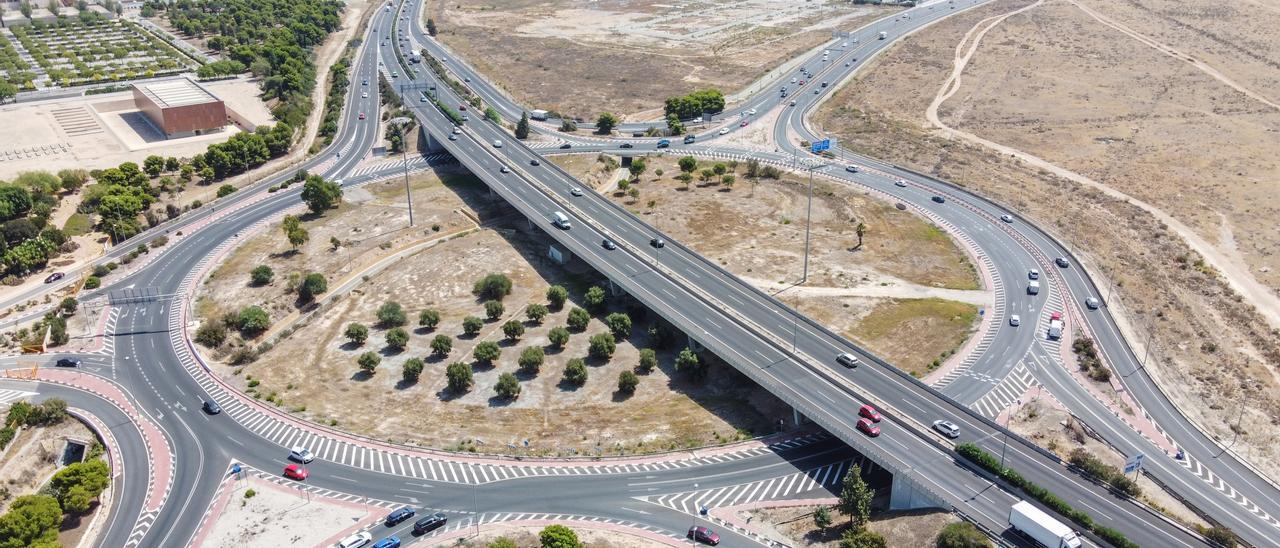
(253, 320)
(557, 295)
(68, 305)
(391, 314)
(513, 329)
(493, 286)
(397, 339)
(459, 376)
(689, 363)
(648, 360)
(595, 298)
(250, 493)
(575, 371)
(312, 286)
(531, 359)
(1220, 535)
(211, 334)
(225, 190)
(619, 323)
(442, 345)
(471, 325)
(261, 275)
(559, 536)
(486, 352)
(92, 282)
(1103, 471)
(536, 312)
(558, 336)
(356, 333)
(602, 345)
(101, 271)
(627, 382)
(578, 319)
(429, 318)
(862, 539)
(412, 369)
(962, 534)
(508, 387)
(369, 361)
(77, 485)
(494, 309)
(502, 542)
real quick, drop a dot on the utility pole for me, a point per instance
(400, 123)
(808, 220)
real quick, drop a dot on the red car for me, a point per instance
(703, 535)
(1056, 316)
(361, 115)
(869, 428)
(295, 472)
(801, 82)
(462, 107)
(743, 124)
(870, 412)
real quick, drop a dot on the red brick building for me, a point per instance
(180, 107)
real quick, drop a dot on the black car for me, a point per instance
(67, 362)
(939, 199)
(1062, 262)
(658, 243)
(399, 515)
(535, 162)
(608, 244)
(566, 145)
(211, 407)
(626, 145)
(429, 523)
(54, 277)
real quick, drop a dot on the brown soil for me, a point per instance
(627, 57)
(527, 537)
(1209, 348)
(794, 526)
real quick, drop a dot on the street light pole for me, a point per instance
(400, 123)
(808, 220)
(1007, 418)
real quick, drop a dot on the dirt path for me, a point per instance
(1230, 265)
(896, 289)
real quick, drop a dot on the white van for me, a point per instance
(1033, 288)
(560, 220)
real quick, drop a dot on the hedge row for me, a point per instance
(989, 462)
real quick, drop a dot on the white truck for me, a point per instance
(1041, 527)
(538, 114)
(1055, 330)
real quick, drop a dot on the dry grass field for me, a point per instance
(1191, 136)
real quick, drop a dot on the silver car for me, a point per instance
(1014, 320)
(1092, 303)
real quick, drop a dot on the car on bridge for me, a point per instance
(947, 428)
(54, 277)
(703, 535)
(430, 523)
(626, 145)
(356, 541)
(575, 191)
(1033, 274)
(211, 407)
(535, 162)
(870, 413)
(504, 169)
(900, 183)
(608, 244)
(399, 515)
(848, 360)
(361, 115)
(1006, 218)
(869, 428)
(462, 106)
(295, 472)
(658, 243)
(851, 168)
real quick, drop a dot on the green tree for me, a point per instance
(211, 334)
(557, 295)
(369, 361)
(492, 286)
(728, 180)
(619, 323)
(531, 359)
(575, 371)
(689, 363)
(429, 318)
(627, 382)
(494, 309)
(319, 194)
(568, 126)
(674, 125)
(648, 360)
(7, 91)
(397, 338)
(153, 165)
(313, 285)
(605, 123)
(536, 312)
(472, 325)
(459, 377)
(261, 275)
(522, 127)
(441, 345)
(486, 352)
(855, 498)
(508, 386)
(595, 298)
(559, 536)
(357, 333)
(412, 369)
(391, 314)
(578, 319)
(822, 517)
(602, 346)
(68, 305)
(962, 534)
(861, 229)
(688, 164)
(513, 329)
(77, 485)
(253, 320)
(431, 26)
(558, 336)
(637, 168)
(862, 538)
(32, 520)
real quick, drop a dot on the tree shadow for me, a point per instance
(404, 383)
(620, 396)
(387, 351)
(552, 350)
(499, 401)
(351, 345)
(283, 254)
(526, 375)
(447, 395)
(434, 358)
(478, 366)
(507, 343)
(566, 385)
(422, 330)
(361, 376)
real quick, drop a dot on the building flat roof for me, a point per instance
(176, 93)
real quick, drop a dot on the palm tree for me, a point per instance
(861, 229)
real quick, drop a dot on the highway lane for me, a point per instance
(759, 356)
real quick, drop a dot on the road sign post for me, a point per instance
(1133, 465)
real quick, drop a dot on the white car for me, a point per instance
(724, 130)
(356, 541)
(1015, 321)
(1033, 274)
(751, 112)
(1006, 218)
(947, 428)
(497, 143)
(301, 454)
(505, 170)
(575, 191)
(364, 95)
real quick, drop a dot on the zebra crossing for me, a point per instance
(390, 167)
(1053, 303)
(1009, 389)
(140, 528)
(789, 486)
(322, 492)
(7, 397)
(109, 329)
(1217, 483)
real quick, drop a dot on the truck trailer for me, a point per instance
(538, 114)
(1042, 527)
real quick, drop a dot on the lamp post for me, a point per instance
(400, 123)
(1009, 417)
(808, 220)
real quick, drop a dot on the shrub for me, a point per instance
(429, 318)
(595, 298)
(101, 271)
(508, 387)
(261, 275)
(627, 382)
(356, 333)
(493, 286)
(313, 285)
(557, 295)
(536, 312)
(494, 309)
(575, 371)
(558, 336)
(578, 319)
(513, 329)
(391, 314)
(558, 536)
(502, 542)
(459, 376)
(412, 369)
(531, 359)
(602, 345)
(211, 334)
(648, 360)
(442, 345)
(253, 320)
(397, 338)
(619, 323)
(962, 534)
(92, 282)
(471, 325)
(486, 352)
(862, 538)
(688, 362)
(225, 190)
(249, 493)
(68, 305)
(369, 361)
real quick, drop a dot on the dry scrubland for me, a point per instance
(1057, 83)
(314, 371)
(794, 526)
(759, 235)
(627, 57)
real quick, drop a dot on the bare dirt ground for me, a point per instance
(278, 516)
(759, 235)
(1108, 105)
(794, 526)
(527, 537)
(668, 411)
(579, 59)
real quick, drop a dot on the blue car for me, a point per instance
(389, 542)
(399, 515)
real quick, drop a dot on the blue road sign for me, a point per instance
(820, 146)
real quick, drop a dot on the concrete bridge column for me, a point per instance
(430, 143)
(615, 290)
(798, 418)
(906, 495)
(694, 345)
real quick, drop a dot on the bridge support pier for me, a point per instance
(430, 143)
(906, 495)
(615, 290)
(694, 345)
(798, 418)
